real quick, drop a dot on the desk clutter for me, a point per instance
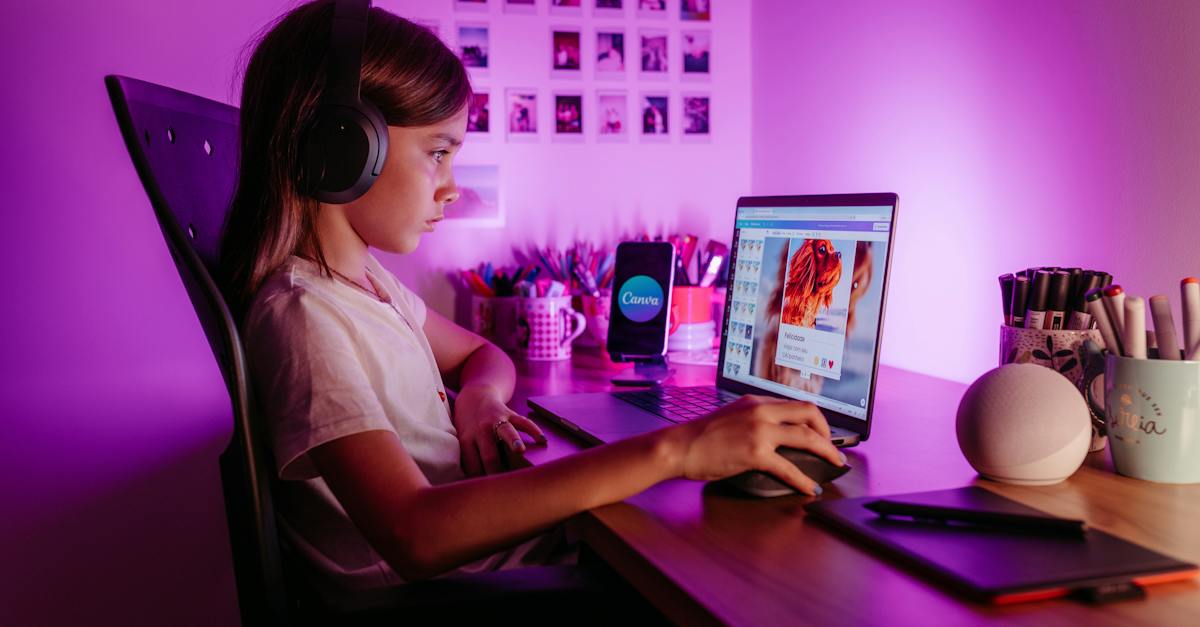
(1138, 384)
(550, 299)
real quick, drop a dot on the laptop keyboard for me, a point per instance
(679, 404)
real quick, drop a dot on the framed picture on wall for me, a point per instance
(565, 52)
(697, 52)
(612, 116)
(695, 10)
(654, 111)
(566, 7)
(522, 114)
(608, 8)
(520, 6)
(480, 6)
(652, 8)
(479, 203)
(653, 45)
(610, 54)
(473, 46)
(568, 116)
(479, 112)
(697, 117)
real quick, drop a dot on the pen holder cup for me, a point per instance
(546, 326)
(495, 318)
(1152, 411)
(596, 310)
(1061, 350)
(691, 320)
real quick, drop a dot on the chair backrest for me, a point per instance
(185, 151)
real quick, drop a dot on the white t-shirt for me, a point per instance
(329, 360)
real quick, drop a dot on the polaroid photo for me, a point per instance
(480, 203)
(608, 8)
(696, 46)
(527, 7)
(568, 116)
(565, 52)
(610, 54)
(654, 111)
(695, 10)
(652, 8)
(473, 47)
(477, 6)
(479, 113)
(653, 47)
(696, 121)
(566, 7)
(522, 114)
(612, 116)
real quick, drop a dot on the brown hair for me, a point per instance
(407, 72)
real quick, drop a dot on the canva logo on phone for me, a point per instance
(640, 298)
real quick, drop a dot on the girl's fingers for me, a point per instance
(490, 454)
(788, 473)
(798, 413)
(509, 437)
(803, 437)
(526, 425)
(471, 464)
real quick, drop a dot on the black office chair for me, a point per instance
(185, 151)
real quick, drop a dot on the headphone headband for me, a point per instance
(346, 42)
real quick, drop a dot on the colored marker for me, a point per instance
(1080, 318)
(1164, 328)
(1020, 297)
(1114, 303)
(1006, 291)
(1135, 327)
(1095, 306)
(1039, 294)
(1190, 287)
(1060, 284)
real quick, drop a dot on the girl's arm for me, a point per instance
(423, 530)
(485, 378)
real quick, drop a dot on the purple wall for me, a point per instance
(1016, 133)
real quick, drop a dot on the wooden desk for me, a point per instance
(704, 557)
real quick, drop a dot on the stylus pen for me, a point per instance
(1002, 520)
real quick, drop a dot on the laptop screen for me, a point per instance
(806, 301)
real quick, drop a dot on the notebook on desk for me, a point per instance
(803, 319)
(999, 566)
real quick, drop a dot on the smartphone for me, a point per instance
(641, 301)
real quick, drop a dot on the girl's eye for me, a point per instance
(439, 155)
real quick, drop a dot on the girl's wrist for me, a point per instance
(670, 449)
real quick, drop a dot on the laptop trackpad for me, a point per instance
(599, 414)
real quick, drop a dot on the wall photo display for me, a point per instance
(612, 116)
(652, 9)
(697, 47)
(478, 6)
(610, 53)
(655, 116)
(479, 112)
(568, 116)
(522, 114)
(608, 8)
(653, 52)
(565, 51)
(695, 10)
(526, 7)
(473, 45)
(696, 124)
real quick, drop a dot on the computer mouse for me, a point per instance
(756, 483)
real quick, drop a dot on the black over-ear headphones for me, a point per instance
(343, 149)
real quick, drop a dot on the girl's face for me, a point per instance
(412, 191)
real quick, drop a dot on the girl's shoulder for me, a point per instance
(296, 289)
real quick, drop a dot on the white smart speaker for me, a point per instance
(1025, 424)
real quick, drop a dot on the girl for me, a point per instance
(382, 483)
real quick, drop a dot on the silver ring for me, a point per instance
(496, 427)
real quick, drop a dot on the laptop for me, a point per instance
(803, 320)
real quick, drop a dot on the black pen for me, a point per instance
(1000, 520)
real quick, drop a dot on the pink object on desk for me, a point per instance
(546, 326)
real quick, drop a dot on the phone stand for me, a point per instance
(645, 372)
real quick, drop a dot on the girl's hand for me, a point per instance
(487, 429)
(745, 434)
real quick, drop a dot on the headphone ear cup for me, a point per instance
(343, 152)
